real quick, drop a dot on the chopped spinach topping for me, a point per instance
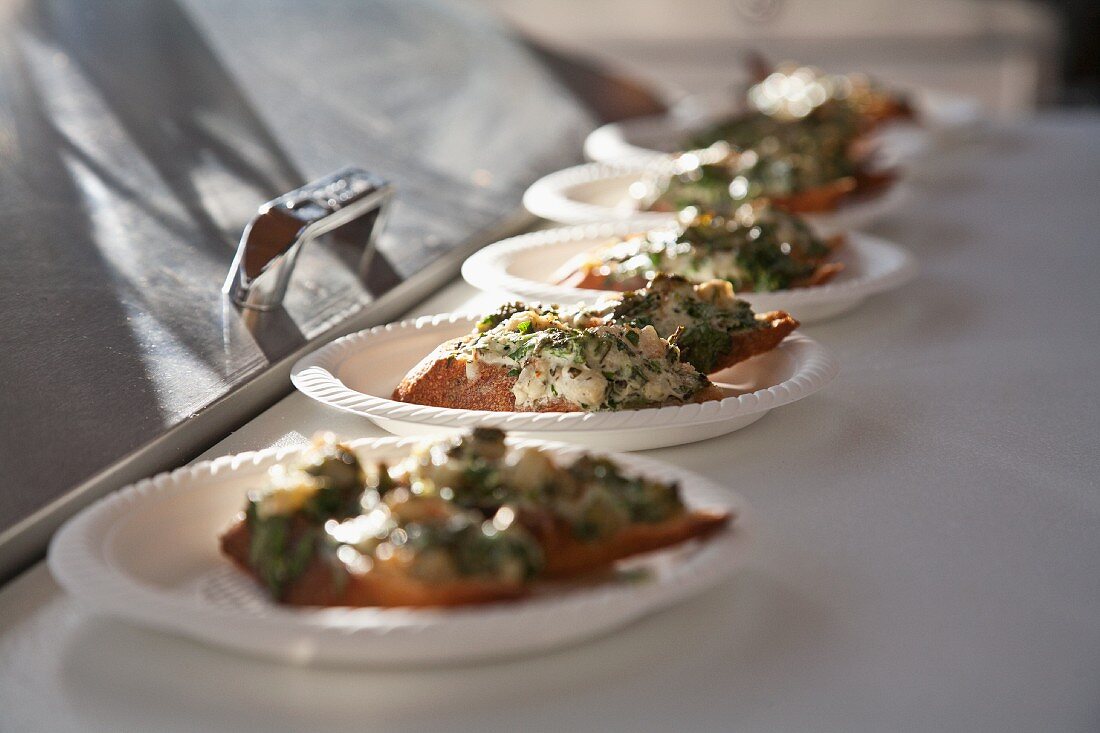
(704, 344)
(699, 328)
(786, 156)
(642, 499)
(461, 507)
(594, 365)
(341, 481)
(278, 556)
(472, 547)
(500, 315)
(592, 496)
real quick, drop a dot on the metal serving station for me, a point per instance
(138, 140)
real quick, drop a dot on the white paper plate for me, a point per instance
(599, 192)
(358, 373)
(652, 138)
(526, 267)
(149, 553)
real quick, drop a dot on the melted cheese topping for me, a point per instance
(546, 378)
(286, 491)
(592, 495)
(675, 310)
(759, 248)
(646, 256)
(572, 356)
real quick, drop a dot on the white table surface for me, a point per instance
(929, 547)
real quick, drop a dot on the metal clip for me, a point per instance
(270, 244)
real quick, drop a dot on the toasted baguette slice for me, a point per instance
(589, 278)
(319, 585)
(567, 556)
(586, 271)
(864, 184)
(440, 380)
(823, 274)
(819, 199)
(776, 326)
(822, 199)
(825, 271)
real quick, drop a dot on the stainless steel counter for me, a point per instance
(137, 140)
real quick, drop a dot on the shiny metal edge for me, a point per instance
(25, 542)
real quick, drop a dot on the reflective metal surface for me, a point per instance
(136, 141)
(351, 199)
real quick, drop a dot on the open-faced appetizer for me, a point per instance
(792, 91)
(791, 178)
(803, 110)
(645, 348)
(758, 249)
(460, 520)
(803, 142)
(824, 147)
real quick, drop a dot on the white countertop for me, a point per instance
(929, 547)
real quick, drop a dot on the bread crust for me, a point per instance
(822, 199)
(819, 199)
(830, 196)
(440, 380)
(318, 584)
(823, 274)
(567, 556)
(588, 277)
(777, 325)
